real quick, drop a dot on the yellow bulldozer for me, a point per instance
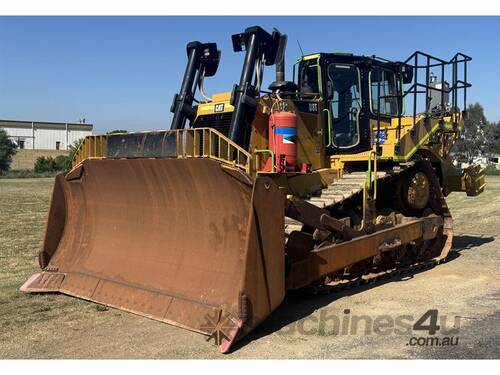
(333, 179)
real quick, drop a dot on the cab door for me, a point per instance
(348, 127)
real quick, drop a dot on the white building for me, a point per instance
(37, 135)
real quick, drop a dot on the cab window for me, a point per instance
(345, 103)
(308, 77)
(383, 92)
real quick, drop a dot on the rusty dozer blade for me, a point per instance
(185, 241)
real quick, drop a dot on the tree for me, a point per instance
(7, 150)
(117, 131)
(61, 162)
(64, 163)
(72, 151)
(474, 138)
(45, 164)
(493, 139)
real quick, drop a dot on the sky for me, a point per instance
(122, 72)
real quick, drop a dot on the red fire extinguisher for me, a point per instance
(283, 140)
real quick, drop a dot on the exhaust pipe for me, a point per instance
(285, 87)
(280, 59)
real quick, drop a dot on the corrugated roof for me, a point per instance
(45, 124)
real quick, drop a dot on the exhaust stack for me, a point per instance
(280, 59)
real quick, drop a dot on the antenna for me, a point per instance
(301, 51)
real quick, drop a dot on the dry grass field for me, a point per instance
(58, 326)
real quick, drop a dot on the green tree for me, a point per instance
(61, 162)
(117, 131)
(72, 151)
(474, 138)
(45, 164)
(7, 150)
(493, 139)
(64, 162)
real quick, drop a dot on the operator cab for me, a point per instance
(355, 90)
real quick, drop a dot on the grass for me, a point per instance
(27, 173)
(23, 208)
(24, 205)
(476, 214)
(492, 171)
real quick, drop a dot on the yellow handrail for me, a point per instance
(264, 151)
(210, 143)
(92, 146)
(371, 177)
(194, 142)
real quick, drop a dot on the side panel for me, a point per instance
(310, 132)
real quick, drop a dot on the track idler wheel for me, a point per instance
(413, 191)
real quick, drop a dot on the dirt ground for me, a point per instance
(465, 291)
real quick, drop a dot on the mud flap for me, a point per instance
(183, 241)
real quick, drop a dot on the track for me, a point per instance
(345, 284)
(429, 254)
(336, 193)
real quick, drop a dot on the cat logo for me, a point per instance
(219, 107)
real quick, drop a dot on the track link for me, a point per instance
(343, 285)
(351, 185)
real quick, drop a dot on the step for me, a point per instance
(291, 228)
(359, 175)
(290, 221)
(321, 202)
(336, 196)
(345, 185)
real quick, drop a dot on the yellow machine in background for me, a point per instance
(333, 179)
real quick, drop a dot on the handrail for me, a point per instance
(208, 142)
(442, 67)
(328, 113)
(369, 180)
(441, 61)
(369, 193)
(92, 146)
(193, 142)
(273, 159)
(369, 189)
